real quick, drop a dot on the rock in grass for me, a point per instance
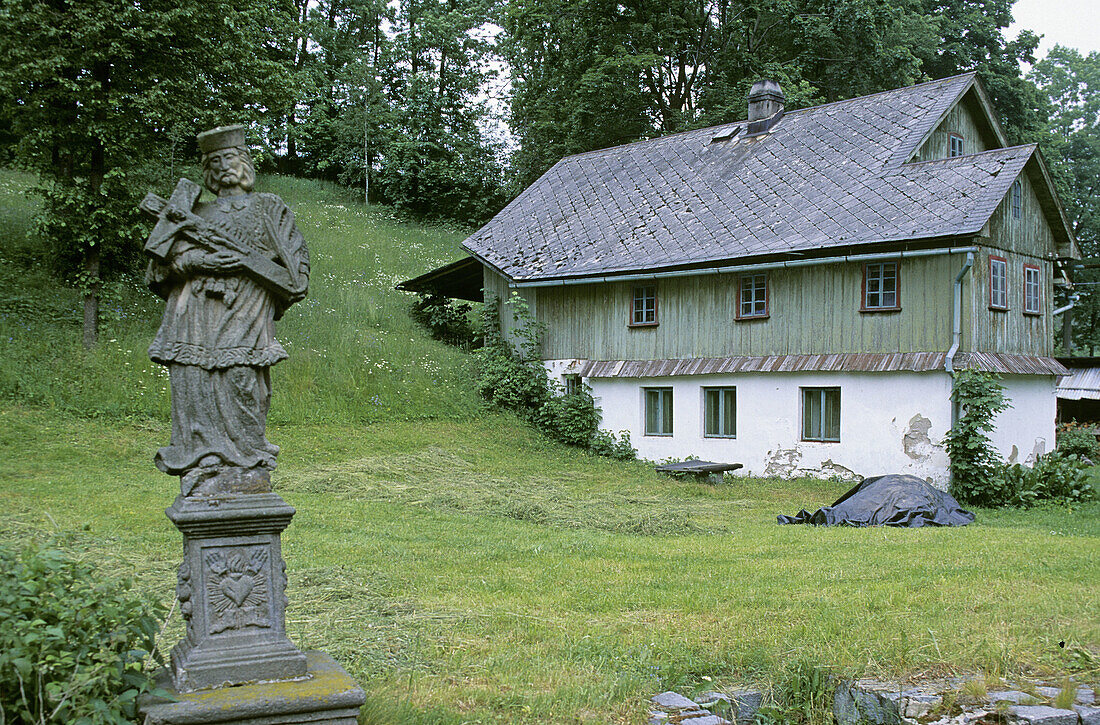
(1088, 715)
(705, 720)
(674, 701)
(1085, 695)
(1014, 696)
(748, 702)
(1042, 715)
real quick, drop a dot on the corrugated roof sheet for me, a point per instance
(823, 177)
(1080, 384)
(845, 362)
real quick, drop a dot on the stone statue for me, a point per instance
(227, 270)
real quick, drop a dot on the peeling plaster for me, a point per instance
(916, 442)
(1039, 449)
(782, 462)
(1013, 455)
(835, 470)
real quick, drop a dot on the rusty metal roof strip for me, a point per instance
(844, 362)
(1080, 384)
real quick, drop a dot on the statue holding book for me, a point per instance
(227, 269)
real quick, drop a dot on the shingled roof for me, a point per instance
(823, 177)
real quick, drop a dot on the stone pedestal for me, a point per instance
(232, 592)
(325, 695)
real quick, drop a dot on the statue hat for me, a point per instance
(222, 137)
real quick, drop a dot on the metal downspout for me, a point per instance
(956, 304)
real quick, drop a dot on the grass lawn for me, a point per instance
(462, 568)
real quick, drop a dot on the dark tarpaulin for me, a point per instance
(891, 500)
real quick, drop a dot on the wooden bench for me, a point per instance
(708, 469)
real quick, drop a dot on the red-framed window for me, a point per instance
(643, 308)
(998, 283)
(881, 287)
(1033, 290)
(956, 145)
(752, 296)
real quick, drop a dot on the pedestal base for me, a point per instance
(326, 695)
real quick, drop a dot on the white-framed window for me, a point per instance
(881, 290)
(956, 146)
(1017, 199)
(752, 296)
(720, 412)
(643, 310)
(820, 414)
(998, 283)
(658, 411)
(1033, 290)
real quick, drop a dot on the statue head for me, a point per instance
(226, 162)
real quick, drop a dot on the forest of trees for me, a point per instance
(103, 98)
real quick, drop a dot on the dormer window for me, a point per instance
(956, 145)
(643, 311)
(1017, 199)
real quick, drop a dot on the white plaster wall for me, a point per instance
(890, 422)
(1026, 430)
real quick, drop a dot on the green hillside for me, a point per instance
(465, 569)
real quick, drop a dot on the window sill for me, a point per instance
(715, 435)
(657, 435)
(819, 440)
(1033, 314)
(751, 318)
(997, 309)
(642, 324)
(875, 310)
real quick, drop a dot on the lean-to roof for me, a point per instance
(825, 177)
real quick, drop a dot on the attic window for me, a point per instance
(1017, 199)
(643, 311)
(956, 145)
(998, 283)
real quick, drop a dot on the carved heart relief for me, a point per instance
(236, 587)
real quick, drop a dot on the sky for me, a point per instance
(1072, 23)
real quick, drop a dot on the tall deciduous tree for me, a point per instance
(98, 89)
(1072, 146)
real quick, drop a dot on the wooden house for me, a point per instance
(793, 291)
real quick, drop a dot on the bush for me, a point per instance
(1057, 476)
(976, 469)
(607, 444)
(516, 381)
(1074, 440)
(446, 320)
(72, 641)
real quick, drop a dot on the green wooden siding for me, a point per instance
(1024, 240)
(812, 310)
(961, 119)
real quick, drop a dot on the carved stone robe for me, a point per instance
(217, 337)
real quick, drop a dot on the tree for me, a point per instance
(1072, 146)
(97, 91)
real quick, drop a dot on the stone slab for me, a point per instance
(1014, 696)
(748, 702)
(1042, 715)
(327, 695)
(705, 720)
(1088, 715)
(674, 701)
(1085, 695)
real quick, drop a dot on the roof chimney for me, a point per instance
(765, 106)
